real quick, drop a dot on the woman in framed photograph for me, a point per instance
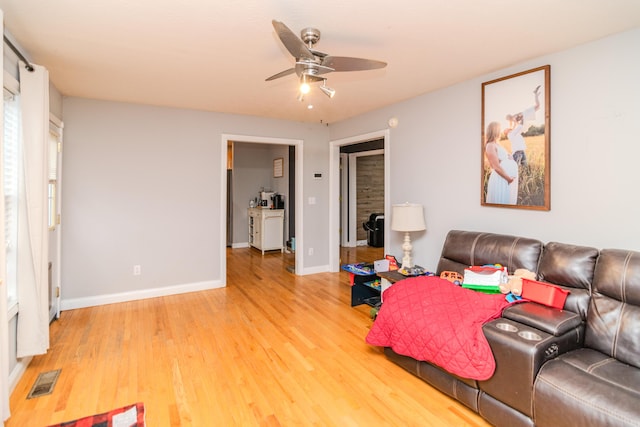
(502, 184)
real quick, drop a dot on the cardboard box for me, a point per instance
(381, 265)
(544, 293)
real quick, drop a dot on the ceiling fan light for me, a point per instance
(304, 86)
(327, 91)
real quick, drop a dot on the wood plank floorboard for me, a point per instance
(270, 349)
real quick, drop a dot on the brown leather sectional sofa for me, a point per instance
(579, 366)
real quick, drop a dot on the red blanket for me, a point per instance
(431, 319)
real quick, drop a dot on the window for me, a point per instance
(11, 176)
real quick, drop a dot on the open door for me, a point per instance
(55, 215)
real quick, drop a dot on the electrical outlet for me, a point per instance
(310, 251)
(136, 270)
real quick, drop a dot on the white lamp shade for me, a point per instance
(407, 217)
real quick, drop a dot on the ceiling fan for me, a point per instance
(312, 65)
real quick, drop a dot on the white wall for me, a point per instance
(281, 185)
(142, 187)
(252, 170)
(435, 153)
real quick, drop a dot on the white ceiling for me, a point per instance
(214, 55)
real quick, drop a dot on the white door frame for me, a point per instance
(346, 239)
(298, 144)
(334, 190)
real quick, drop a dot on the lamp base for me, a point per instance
(407, 261)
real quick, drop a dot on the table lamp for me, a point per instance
(407, 217)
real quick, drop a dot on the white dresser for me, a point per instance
(266, 229)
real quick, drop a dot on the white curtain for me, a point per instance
(33, 286)
(4, 320)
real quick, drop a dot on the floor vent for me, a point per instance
(44, 384)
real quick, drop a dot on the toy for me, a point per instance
(514, 284)
(416, 270)
(452, 276)
(393, 262)
(512, 298)
(498, 266)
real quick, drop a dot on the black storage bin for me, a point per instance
(375, 230)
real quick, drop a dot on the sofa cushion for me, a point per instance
(464, 248)
(613, 321)
(587, 388)
(571, 267)
(568, 265)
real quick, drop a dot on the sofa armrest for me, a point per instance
(548, 319)
(520, 351)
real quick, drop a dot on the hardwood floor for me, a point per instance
(270, 349)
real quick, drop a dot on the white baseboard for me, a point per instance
(239, 245)
(17, 372)
(73, 303)
(362, 243)
(314, 270)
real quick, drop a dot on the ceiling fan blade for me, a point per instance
(318, 53)
(281, 74)
(293, 43)
(345, 63)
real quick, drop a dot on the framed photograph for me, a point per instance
(516, 141)
(277, 167)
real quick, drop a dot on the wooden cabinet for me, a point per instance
(266, 229)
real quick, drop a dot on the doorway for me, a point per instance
(361, 192)
(336, 175)
(294, 148)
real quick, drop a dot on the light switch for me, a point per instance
(312, 200)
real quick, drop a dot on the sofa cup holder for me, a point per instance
(506, 327)
(530, 336)
(527, 335)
